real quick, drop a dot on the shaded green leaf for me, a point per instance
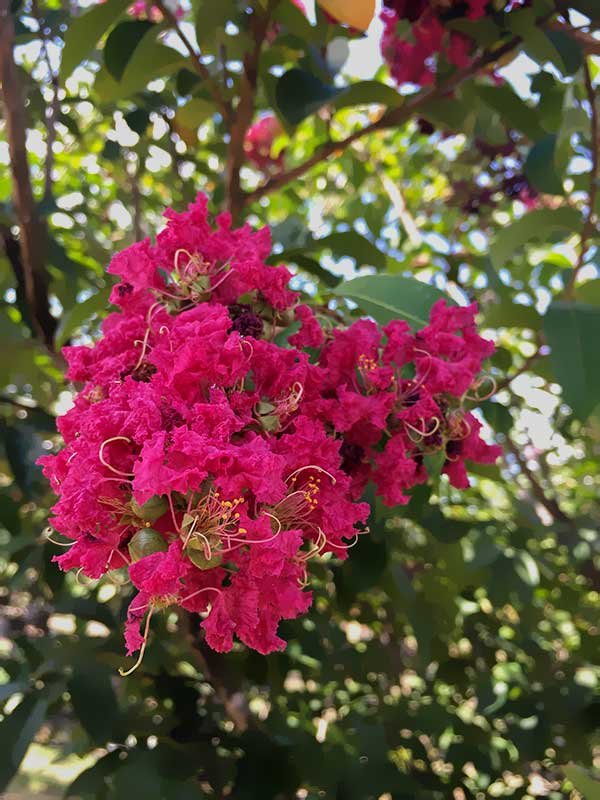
(527, 569)
(149, 60)
(540, 166)
(85, 32)
(121, 44)
(535, 226)
(94, 700)
(388, 297)
(508, 314)
(194, 112)
(16, 733)
(368, 93)
(299, 94)
(584, 783)
(82, 313)
(573, 333)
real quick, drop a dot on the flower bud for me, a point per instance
(197, 556)
(151, 510)
(145, 543)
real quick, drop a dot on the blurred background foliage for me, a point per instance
(455, 655)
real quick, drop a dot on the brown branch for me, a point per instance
(391, 119)
(505, 383)
(591, 221)
(32, 230)
(549, 503)
(215, 671)
(241, 120)
(588, 43)
(201, 68)
(136, 198)
(52, 108)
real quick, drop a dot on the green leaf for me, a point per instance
(82, 313)
(498, 416)
(313, 267)
(94, 700)
(526, 568)
(111, 150)
(138, 120)
(452, 115)
(573, 333)
(299, 94)
(92, 783)
(121, 44)
(508, 314)
(568, 49)
(149, 60)
(584, 783)
(388, 297)
(368, 93)
(23, 446)
(211, 18)
(536, 225)
(540, 166)
(355, 245)
(86, 31)
(16, 733)
(588, 7)
(544, 45)
(589, 292)
(194, 112)
(291, 20)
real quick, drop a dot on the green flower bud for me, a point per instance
(151, 510)
(270, 422)
(199, 559)
(146, 542)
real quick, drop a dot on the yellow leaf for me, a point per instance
(355, 13)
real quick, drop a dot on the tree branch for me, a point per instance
(240, 121)
(505, 383)
(215, 670)
(588, 43)
(33, 232)
(201, 68)
(549, 503)
(590, 224)
(52, 108)
(391, 119)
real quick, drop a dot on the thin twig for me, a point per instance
(240, 122)
(591, 221)
(401, 209)
(549, 503)
(588, 43)
(505, 383)
(52, 108)
(390, 119)
(134, 174)
(32, 230)
(201, 68)
(210, 665)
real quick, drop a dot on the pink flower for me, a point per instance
(258, 144)
(468, 448)
(144, 10)
(212, 462)
(310, 333)
(395, 472)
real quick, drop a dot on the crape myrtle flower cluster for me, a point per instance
(505, 175)
(224, 435)
(417, 33)
(258, 144)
